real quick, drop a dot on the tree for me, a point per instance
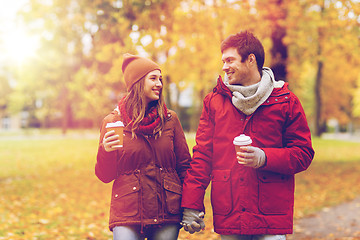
(320, 33)
(78, 68)
(60, 56)
(5, 91)
(275, 14)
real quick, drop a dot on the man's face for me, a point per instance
(238, 72)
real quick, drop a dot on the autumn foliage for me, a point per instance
(312, 44)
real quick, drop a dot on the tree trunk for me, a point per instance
(279, 51)
(66, 111)
(319, 128)
(167, 91)
(319, 122)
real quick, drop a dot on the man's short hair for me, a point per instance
(246, 43)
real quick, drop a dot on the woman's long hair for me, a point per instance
(136, 108)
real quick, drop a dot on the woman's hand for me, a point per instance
(111, 141)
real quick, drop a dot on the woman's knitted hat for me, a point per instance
(135, 67)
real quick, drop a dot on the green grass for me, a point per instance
(38, 156)
(331, 179)
(336, 150)
(48, 189)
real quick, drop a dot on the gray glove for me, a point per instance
(251, 157)
(193, 220)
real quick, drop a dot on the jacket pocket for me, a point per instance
(276, 194)
(125, 199)
(173, 196)
(221, 198)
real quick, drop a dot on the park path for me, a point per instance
(338, 222)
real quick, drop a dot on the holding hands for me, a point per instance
(193, 220)
(251, 156)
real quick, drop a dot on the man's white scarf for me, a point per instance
(248, 98)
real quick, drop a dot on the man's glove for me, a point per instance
(251, 157)
(193, 220)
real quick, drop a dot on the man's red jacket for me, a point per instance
(246, 200)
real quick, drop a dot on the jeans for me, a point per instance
(253, 237)
(163, 232)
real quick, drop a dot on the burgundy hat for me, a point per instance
(135, 67)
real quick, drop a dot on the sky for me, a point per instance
(8, 8)
(16, 45)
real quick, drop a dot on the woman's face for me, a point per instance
(153, 86)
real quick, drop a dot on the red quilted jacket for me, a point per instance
(246, 200)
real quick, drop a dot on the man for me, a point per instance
(252, 192)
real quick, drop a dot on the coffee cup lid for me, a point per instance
(115, 124)
(242, 140)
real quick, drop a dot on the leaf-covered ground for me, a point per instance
(339, 222)
(48, 189)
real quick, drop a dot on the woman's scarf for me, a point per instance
(248, 98)
(148, 124)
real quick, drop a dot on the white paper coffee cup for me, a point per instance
(241, 141)
(118, 127)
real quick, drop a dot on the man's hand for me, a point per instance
(251, 157)
(111, 141)
(193, 220)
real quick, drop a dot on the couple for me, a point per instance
(157, 183)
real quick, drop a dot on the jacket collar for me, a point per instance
(222, 89)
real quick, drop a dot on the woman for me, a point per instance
(150, 166)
